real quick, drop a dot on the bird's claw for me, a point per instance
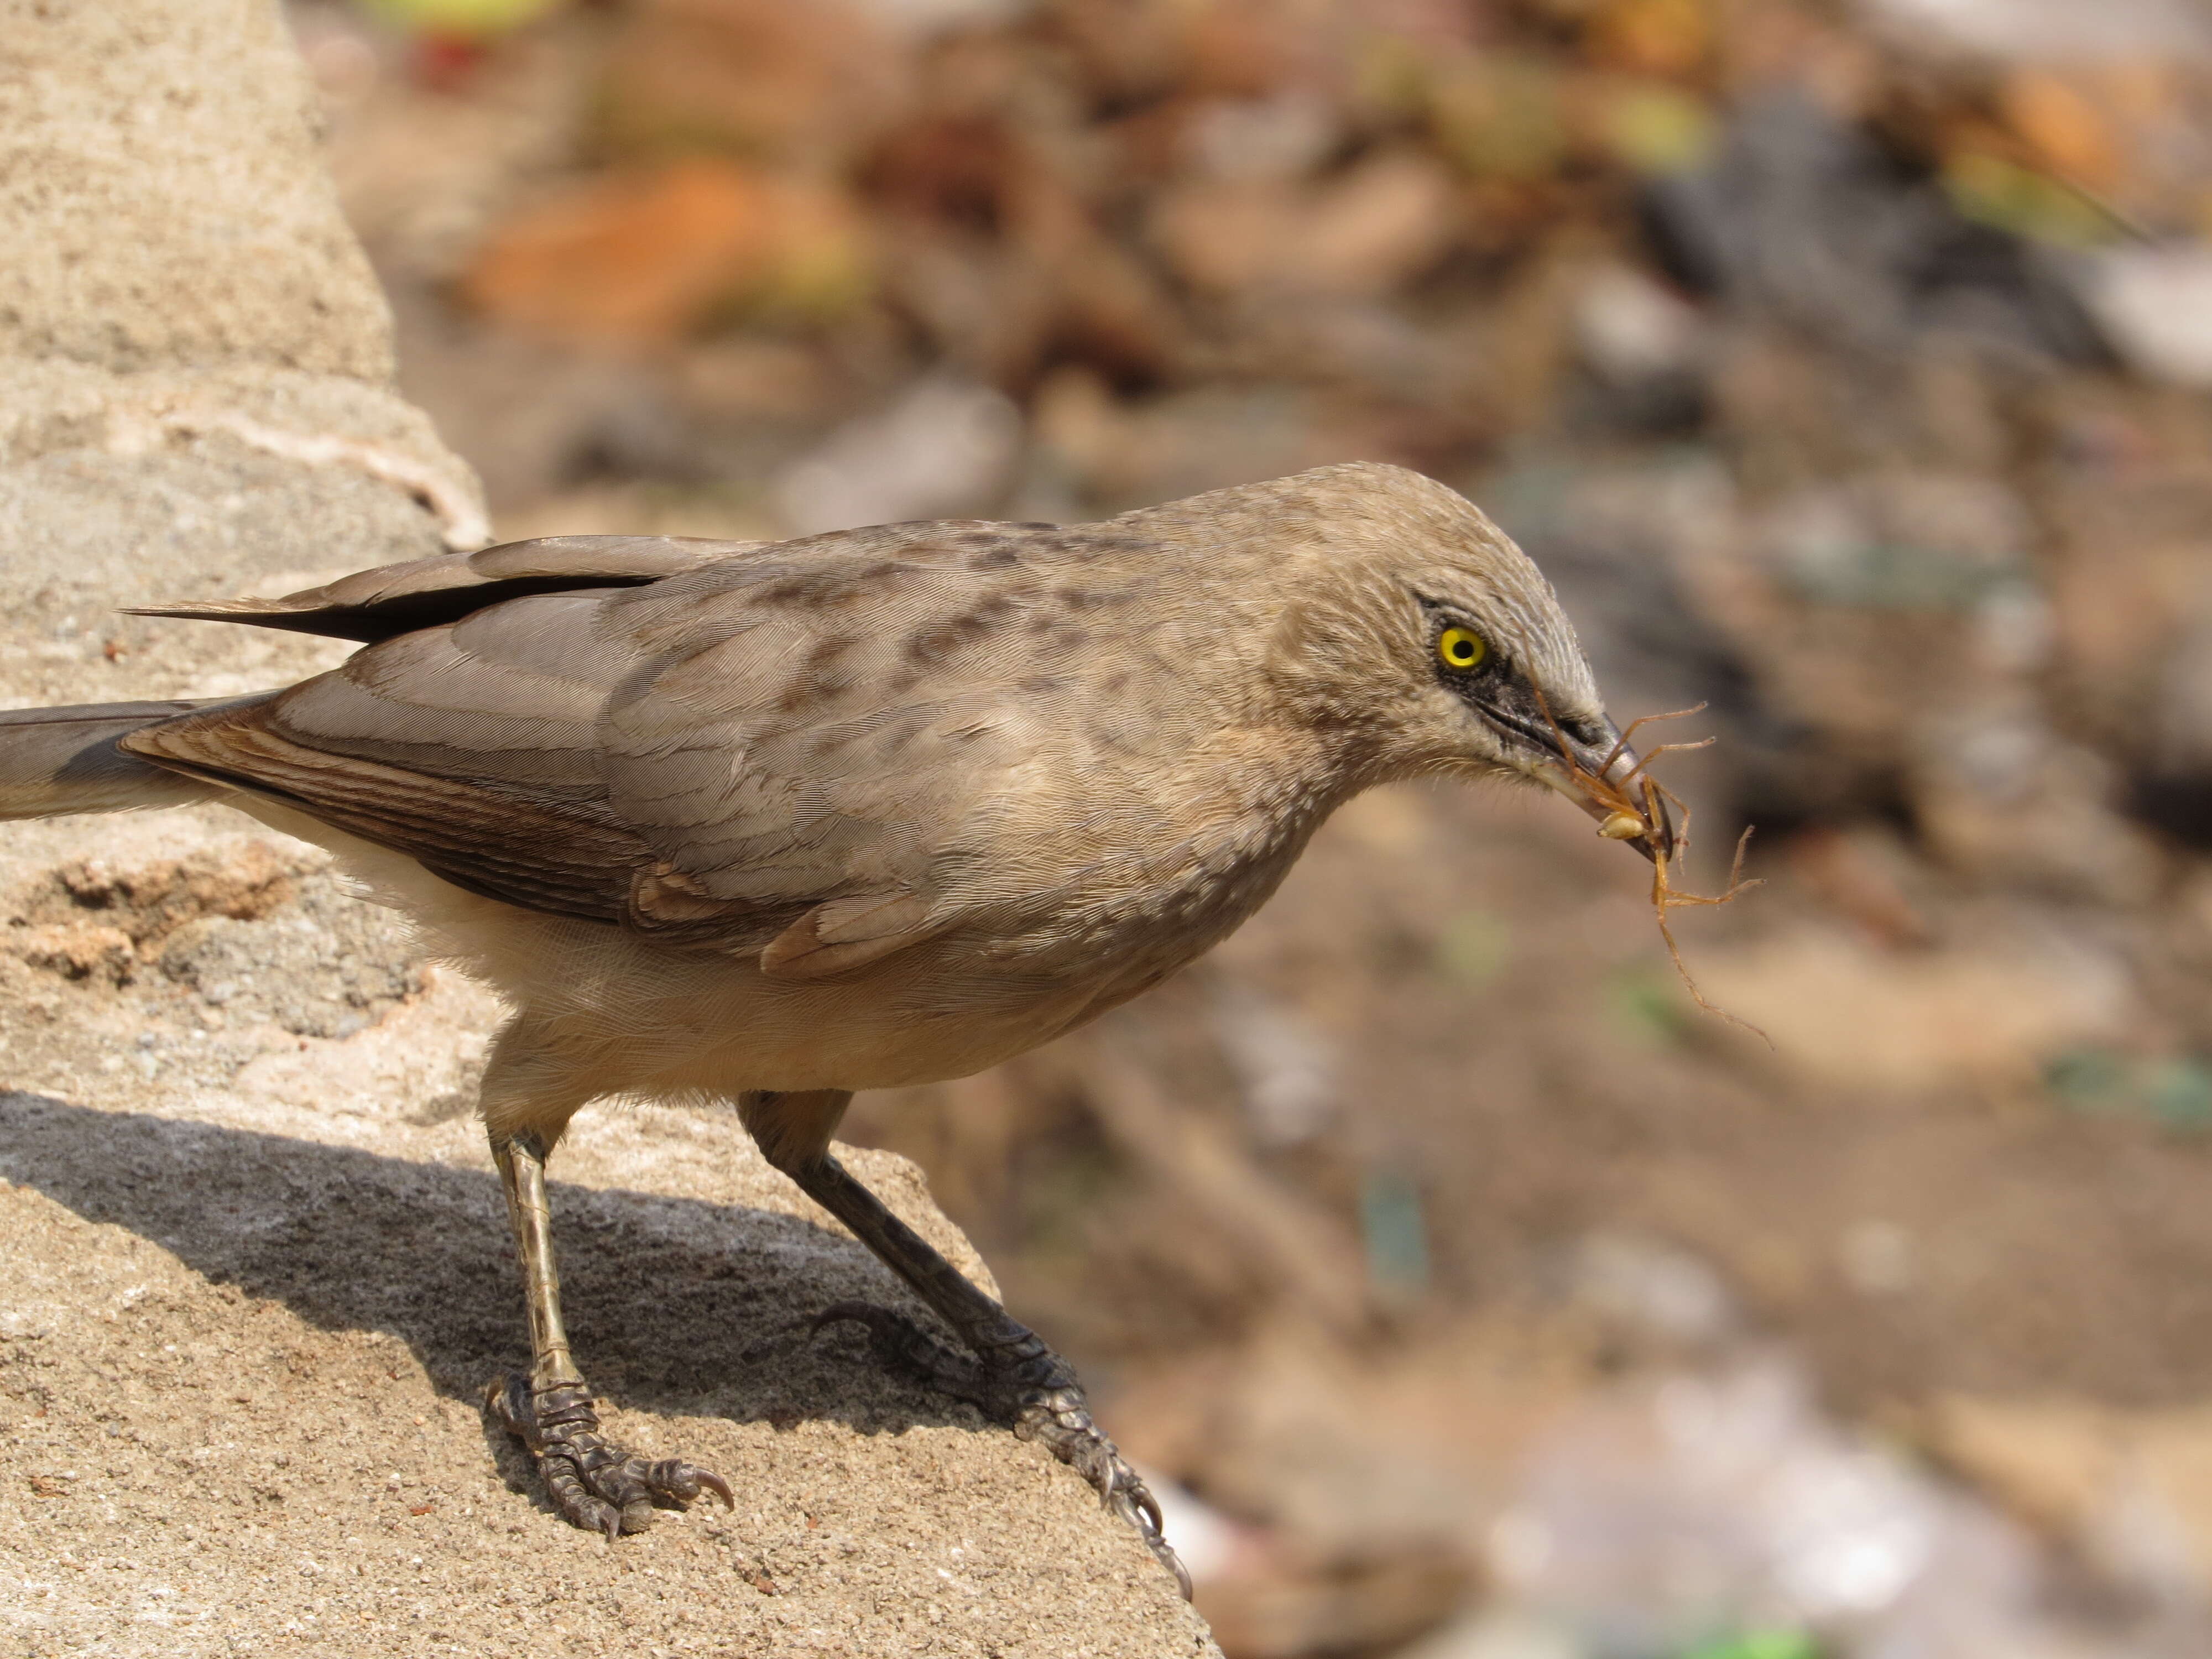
(1024, 1384)
(595, 1483)
(1059, 1416)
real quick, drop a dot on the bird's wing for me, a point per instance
(397, 599)
(787, 749)
(468, 746)
(830, 735)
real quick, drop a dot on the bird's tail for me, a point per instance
(65, 760)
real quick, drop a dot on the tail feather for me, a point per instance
(54, 761)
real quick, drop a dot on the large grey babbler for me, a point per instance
(768, 823)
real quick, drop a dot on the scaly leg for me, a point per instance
(595, 1483)
(1011, 1374)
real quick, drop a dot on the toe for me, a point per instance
(594, 1485)
(1021, 1380)
(1133, 1500)
(578, 1504)
(1134, 1492)
(678, 1482)
(617, 1480)
(1062, 1419)
(508, 1399)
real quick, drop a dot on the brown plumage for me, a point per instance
(776, 822)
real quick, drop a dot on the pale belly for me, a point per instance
(601, 1012)
(681, 1022)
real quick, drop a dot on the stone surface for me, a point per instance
(164, 200)
(246, 1325)
(198, 358)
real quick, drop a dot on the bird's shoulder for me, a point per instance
(930, 593)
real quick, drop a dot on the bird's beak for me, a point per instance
(1650, 833)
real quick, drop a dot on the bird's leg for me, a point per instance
(1009, 1374)
(595, 1483)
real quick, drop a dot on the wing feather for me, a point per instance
(397, 599)
(789, 747)
(506, 842)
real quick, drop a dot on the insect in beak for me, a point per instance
(1618, 790)
(1611, 784)
(1628, 806)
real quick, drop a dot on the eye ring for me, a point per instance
(1461, 649)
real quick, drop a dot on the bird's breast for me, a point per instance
(1143, 883)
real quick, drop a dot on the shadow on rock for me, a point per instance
(674, 1305)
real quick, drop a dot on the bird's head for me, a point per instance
(1417, 630)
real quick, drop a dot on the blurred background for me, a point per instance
(1846, 364)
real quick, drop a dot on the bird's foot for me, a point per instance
(595, 1483)
(1021, 1382)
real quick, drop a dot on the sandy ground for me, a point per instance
(256, 1281)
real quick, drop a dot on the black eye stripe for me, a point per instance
(1523, 725)
(1490, 687)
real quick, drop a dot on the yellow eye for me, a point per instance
(1462, 648)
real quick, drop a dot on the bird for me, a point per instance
(764, 823)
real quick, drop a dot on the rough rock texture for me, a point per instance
(199, 361)
(255, 1269)
(165, 204)
(244, 1327)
